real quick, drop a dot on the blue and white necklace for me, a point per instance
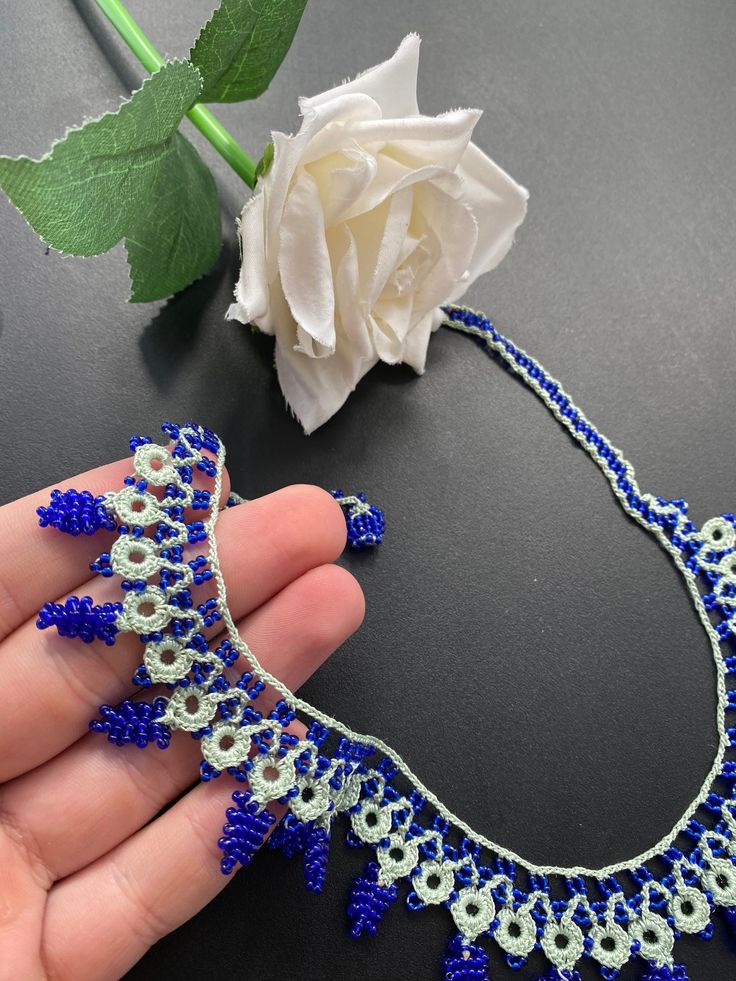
(634, 909)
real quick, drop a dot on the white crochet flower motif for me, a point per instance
(368, 219)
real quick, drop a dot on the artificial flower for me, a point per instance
(366, 220)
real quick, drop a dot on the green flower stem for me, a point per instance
(212, 130)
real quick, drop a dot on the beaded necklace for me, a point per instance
(634, 909)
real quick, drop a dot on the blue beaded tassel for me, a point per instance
(466, 961)
(730, 913)
(293, 837)
(76, 513)
(134, 722)
(664, 973)
(288, 836)
(365, 522)
(81, 618)
(316, 851)
(369, 900)
(245, 831)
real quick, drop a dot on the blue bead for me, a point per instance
(136, 441)
(365, 522)
(316, 851)
(730, 914)
(246, 828)
(76, 513)
(466, 961)
(288, 836)
(369, 900)
(134, 722)
(81, 618)
(665, 973)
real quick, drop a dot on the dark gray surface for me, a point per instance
(527, 649)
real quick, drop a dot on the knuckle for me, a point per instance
(18, 838)
(143, 915)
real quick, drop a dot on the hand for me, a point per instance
(87, 884)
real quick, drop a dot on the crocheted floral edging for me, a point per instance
(244, 722)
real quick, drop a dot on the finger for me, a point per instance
(292, 634)
(263, 546)
(45, 562)
(142, 890)
(23, 887)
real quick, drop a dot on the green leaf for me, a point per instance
(178, 237)
(242, 45)
(128, 174)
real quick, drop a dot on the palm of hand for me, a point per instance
(92, 877)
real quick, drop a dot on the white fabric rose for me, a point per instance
(368, 218)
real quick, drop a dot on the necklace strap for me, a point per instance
(636, 907)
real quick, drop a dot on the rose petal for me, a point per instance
(452, 236)
(387, 342)
(328, 124)
(251, 290)
(412, 142)
(499, 205)
(393, 83)
(417, 342)
(289, 153)
(420, 140)
(396, 319)
(352, 329)
(391, 176)
(341, 186)
(409, 263)
(316, 388)
(367, 232)
(394, 235)
(304, 265)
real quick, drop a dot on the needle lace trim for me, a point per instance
(637, 907)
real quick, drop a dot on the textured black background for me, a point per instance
(528, 649)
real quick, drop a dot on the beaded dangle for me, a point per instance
(365, 522)
(174, 598)
(76, 513)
